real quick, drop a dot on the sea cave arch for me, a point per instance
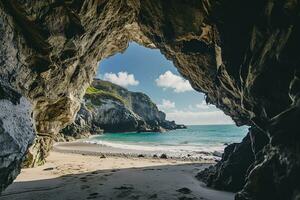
(231, 51)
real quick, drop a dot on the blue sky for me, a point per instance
(147, 70)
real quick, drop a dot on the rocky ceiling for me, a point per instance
(242, 54)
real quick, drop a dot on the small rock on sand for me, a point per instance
(141, 156)
(48, 169)
(163, 156)
(102, 156)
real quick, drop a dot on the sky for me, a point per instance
(146, 70)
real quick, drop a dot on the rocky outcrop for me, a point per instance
(241, 54)
(237, 161)
(82, 127)
(16, 134)
(110, 108)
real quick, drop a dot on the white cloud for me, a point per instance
(170, 80)
(122, 78)
(166, 104)
(198, 117)
(204, 106)
(199, 114)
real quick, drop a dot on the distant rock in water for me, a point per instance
(108, 107)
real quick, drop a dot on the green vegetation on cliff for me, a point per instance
(96, 94)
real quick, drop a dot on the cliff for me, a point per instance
(243, 55)
(111, 108)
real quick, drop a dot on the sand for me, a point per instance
(82, 147)
(70, 176)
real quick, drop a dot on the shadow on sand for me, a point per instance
(165, 182)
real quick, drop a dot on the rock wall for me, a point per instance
(16, 134)
(241, 54)
(237, 161)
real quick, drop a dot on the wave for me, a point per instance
(160, 147)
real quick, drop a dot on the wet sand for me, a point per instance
(81, 147)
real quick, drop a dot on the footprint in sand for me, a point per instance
(184, 190)
(108, 174)
(84, 187)
(148, 169)
(126, 191)
(83, 179)
(93, 195)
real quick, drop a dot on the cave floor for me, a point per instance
(75, 176)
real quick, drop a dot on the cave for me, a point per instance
(241, 54)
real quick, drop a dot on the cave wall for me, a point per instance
(241, 54)
(16, 134)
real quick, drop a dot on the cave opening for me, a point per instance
(145, 70)
(242, 55)
(141, 101)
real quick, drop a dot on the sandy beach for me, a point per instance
(68, 176)
(83, 147)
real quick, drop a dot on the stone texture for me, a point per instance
(16, 134)
(237, 161)
(242, 54)
(82, 127)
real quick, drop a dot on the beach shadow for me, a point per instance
(176, 182)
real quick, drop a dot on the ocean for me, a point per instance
(208, 140)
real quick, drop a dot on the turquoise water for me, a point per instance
(207, 138)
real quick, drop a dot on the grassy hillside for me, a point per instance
(104, 90)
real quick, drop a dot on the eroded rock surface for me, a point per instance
(241, 54)
(16, 134)
(237, 161)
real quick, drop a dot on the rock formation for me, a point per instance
(110, 108)
(82, 127)
(236, 163)
(241, 54)
(16, 133)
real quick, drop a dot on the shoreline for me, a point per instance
(96, 149)
(82, 177)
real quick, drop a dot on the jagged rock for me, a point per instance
(237, 160)
(82, 127)
(37, 153)
(242, 54)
